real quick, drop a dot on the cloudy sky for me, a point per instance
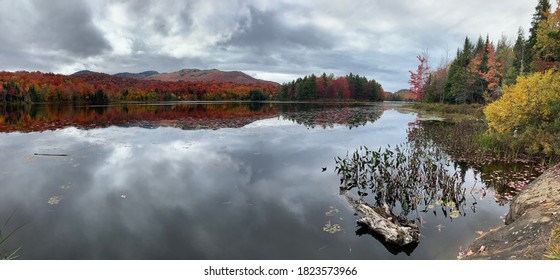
(273, 40)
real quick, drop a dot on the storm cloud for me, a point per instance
(265, 31)
(275, 40)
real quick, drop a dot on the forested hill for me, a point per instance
(195, 75)
(92, 87)
(328, 87)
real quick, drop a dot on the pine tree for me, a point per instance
(459, 87)
(546, 51)
(519, 58)
(504, 57)
(541, 11)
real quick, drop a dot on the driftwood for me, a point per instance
(394, 230)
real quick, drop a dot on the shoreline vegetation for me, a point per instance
(517, 88)
(510, 91)
(99, 89)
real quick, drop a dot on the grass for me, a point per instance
(3, 238)
(472, 110)
(554, 245)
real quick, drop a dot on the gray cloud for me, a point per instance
(265, 31)
(378, 39)
(67, 26)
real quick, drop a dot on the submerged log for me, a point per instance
(391, 228)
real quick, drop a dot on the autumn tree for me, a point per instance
(435, 85)
(340, 88)
(419, 78)
(528, 114)
(541, 11)
(485, 72)
(546, 50)
(345, 87)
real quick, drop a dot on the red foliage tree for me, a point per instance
(418, 79)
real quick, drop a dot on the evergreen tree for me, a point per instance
(504, 57)
(458, 87)
(519, 59)
(546, 51)
(541, 11)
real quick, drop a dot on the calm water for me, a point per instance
(204, 181)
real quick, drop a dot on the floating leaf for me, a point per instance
(331, 228)
(465, 254)
(431, 206)
(440, 202)
(454, 214)
(55, 200)
(332, 211)
(450, 204)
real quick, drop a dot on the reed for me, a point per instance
(412, 176)
(6, 254)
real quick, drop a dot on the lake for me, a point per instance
(208, 181)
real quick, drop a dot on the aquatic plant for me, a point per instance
(4, 237)
(466, 142)
(405, 177)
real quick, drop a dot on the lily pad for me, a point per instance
(454, 214)
(332, 211)
(55, 200)
(331, 228)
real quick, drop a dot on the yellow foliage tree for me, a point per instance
(529, 113)
(530, 102)
(547, 46)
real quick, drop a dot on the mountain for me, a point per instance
(87, 72)
(187, 75)
(196, 75)
(136, 75)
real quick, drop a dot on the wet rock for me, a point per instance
(534, 211)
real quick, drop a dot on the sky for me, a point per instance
(271, 40)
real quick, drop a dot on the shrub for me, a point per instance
(528, 114)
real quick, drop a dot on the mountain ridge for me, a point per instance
(189, 75)
(205, 75)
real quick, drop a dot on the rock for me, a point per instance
(534, 210)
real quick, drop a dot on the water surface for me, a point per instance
(205, 181)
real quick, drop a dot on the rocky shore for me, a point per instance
(528, 224)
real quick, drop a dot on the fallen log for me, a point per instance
(392, 229)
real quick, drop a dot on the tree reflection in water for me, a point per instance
(207, 115)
